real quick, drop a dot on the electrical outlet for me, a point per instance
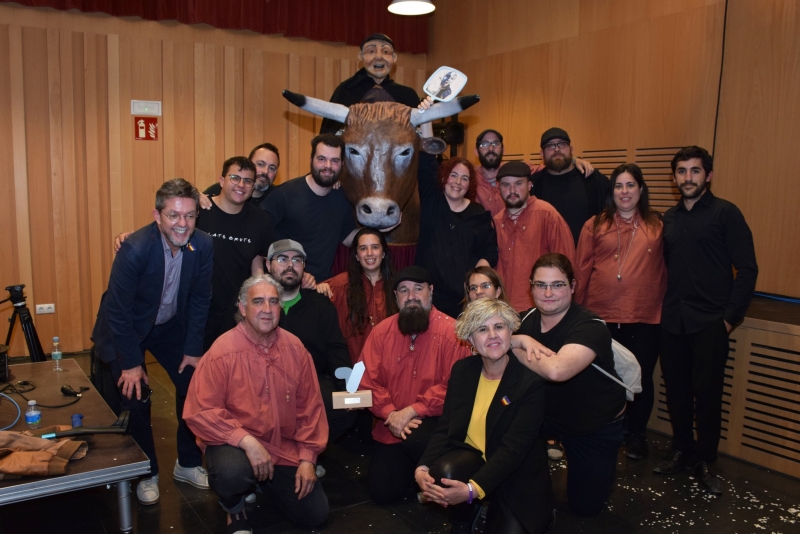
(45, 308)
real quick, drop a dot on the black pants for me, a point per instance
(391, 470)
(644, 341)
(694, 372)
(231, 477)
(339, 421)
(461, 465)
(165, 342)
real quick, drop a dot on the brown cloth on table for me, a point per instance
(22, 454)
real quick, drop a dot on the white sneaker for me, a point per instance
(196, 476)
(250, 499)
(320, 471)
(147, 491)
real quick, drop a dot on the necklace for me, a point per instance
(413, 340)
(621, 261)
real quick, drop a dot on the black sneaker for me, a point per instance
(707, 479)
(675, 463)
(636, 448)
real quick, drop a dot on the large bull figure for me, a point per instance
(381, 151)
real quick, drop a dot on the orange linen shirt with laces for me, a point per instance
(539, 229)
(637, 295)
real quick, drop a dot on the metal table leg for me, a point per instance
(124, 498)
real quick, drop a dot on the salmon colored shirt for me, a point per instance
(488, 196)
(399, 377)
(376, 309)
(271, 393)
(539, 229)
(636, 297)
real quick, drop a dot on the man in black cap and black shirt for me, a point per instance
(575, 196)
(372, 83)
(706, 239)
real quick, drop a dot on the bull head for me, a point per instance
(381, 150)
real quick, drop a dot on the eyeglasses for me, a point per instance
(174, 216)
(285, 259)
(555, 286)
(486, 286)
(553, 146)
(235, 179)
(487, 144)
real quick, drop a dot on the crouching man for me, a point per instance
(255, 406)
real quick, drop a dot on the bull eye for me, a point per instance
(352, 151)
(406, 152)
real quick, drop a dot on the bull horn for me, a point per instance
(328, 110)
(440, 111)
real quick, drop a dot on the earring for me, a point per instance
(474, 350)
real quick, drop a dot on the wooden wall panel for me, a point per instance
(79, 178)
(759, 130)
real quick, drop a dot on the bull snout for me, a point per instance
(378, 212)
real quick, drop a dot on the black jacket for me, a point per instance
(517, 468)
(353, 89)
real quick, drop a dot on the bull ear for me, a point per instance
(433, 145)
(325, 109)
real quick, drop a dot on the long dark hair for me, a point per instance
(447, 167)
(358, 315)
(649, 216)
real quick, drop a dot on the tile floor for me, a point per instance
(755, 500)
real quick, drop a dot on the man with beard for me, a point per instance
(526, 229)
(575, 196)
(157, 300)
(266, 159)
(489, 149)
(706, 239)
(408, 358)
(312, 317)
(310, 211)
(372, 83)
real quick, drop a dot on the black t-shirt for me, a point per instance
(318, 223)
(575, 196)
(586, 402)
(215, 190)
(237, 240)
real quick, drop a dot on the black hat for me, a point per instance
(414, 274)
(514, 168)
(554, 133)
(377, 37)
(483, 134)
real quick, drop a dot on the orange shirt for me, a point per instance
(539, 229)
(376, 309)
(636, 297)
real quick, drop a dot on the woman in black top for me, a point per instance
(455, 233)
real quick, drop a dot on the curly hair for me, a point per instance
(357, 312)
(480, 311)
(447, 167)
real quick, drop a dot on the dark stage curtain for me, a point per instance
(342, 21)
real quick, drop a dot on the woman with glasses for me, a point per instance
(363, 294)
(487, 443)
(621, 276)
(483, 282)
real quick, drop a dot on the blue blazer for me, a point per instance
(129, 306)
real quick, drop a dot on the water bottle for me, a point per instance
(57, 355)
(33, 417)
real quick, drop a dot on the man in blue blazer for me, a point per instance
(157, 300)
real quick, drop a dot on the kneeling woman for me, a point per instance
(487, 442)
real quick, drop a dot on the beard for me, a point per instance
(697, 191)
(517, 202)
(324, 181)
(288, 284)
(494, 162)
(558, 166)
(413, 320)
(262, 182)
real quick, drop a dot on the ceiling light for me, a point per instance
(411, 7)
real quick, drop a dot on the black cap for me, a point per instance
(514, 168)
(377, 37)
(483, 134)
(554, 133)
(414, 274)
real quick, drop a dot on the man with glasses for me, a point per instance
(576, 196)
(312, 317)
(583, 407)
(372, 83)
(157, 300)
(526, 229)
(266, 159)
(489, 150)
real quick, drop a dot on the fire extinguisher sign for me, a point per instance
(145, 128)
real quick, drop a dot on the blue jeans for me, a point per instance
(591, 465)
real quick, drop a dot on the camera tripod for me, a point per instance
(28, 329)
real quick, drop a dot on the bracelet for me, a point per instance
(471, 493)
